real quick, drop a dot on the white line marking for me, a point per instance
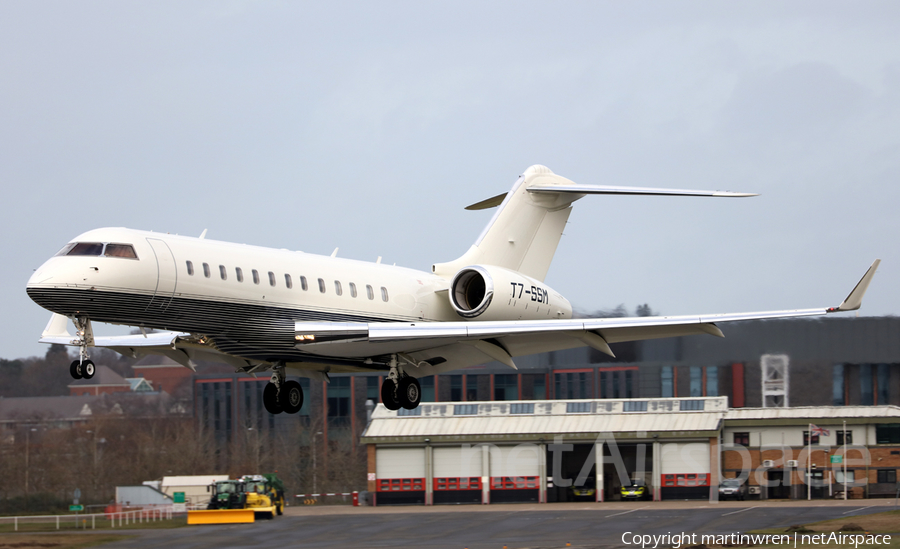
(860, 509)
(740, 511)
(626, 512)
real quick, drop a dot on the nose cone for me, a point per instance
(41, 275)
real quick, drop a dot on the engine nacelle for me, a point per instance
(487, 292)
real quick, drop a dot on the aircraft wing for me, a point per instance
(460, 344)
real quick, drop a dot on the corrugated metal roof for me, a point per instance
(544, 419)
(889, 413)
(196, 480)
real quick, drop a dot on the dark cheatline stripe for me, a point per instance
(242, 329)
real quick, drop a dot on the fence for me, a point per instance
(124, 518)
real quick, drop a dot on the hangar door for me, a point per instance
(685, 470)
(400, 474)
(457, 474)
(515, 473)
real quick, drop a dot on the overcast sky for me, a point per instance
(370, 126)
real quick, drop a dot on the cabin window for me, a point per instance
(120, 250)
(384, 294)
(255, 274)
(190, 268)
(322, 285)
(352, 289)
(271, 278)
(337, 287)
(239, 274)
(303, 285)
(83, 248)
(222, 272)
(206, 270)
(288, 282)
(370, 292)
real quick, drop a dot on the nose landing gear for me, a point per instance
(83, 368)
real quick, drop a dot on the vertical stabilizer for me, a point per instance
(525, 230)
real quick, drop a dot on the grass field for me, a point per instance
(56, 541)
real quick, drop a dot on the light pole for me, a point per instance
(315, 469)
(27, 452)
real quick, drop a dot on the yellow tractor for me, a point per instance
(264, 495)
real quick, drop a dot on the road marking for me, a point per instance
(739, 511)
(860, 509)
(626, 512)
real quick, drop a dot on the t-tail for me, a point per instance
(526, 228)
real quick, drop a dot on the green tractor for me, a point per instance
(227, 494)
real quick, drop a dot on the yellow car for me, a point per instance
(636, 490)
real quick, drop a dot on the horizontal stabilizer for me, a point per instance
(645, 191)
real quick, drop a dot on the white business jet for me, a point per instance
(267, 310)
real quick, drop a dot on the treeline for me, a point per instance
(49, 375)
(41, 466)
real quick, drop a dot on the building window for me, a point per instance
(427, 384)
(691, 405)
(666, 382)
(634, 406)
(521, 408)
(288, 282)
(578, 407)
(303, 285)
(539, 387)
(887, 476)
(223, 273)
(629, 384)
(339, 398)
(337, 287)
(882, 378)
(815, 439)
(887, 433)
(866, 395)
(840, 437)
(206, 270)
(322, 285)
(456, 387)
(465, 409)
(239, 274)
(742, 439)
(255, 274)
(572, 385)
(696, 381)
(384, 294)
(712, 381)
(837, 385)
(615, 385)
(372, 392)
(190, 268)
(352, 289)
(370, 292)
(506, 387)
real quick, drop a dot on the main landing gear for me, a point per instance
(400, 390)
(83, 368)
(280, 395)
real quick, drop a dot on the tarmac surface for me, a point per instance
(495, 526)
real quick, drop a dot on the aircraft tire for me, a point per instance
(88, 369)
(387, 395)
(270, 399)
(291, 397)
(75, 370)
(409, 393)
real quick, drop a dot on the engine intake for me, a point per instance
(472, 290)
(494, 293)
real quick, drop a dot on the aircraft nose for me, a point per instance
(41, 275)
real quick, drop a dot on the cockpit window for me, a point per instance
(120, 250)
(83, 248)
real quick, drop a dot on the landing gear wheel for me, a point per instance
(75, 369)
(291, 397)
(270, 399)
(388, 392)
(409, 393)
(88, 369)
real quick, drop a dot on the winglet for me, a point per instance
(854, 300)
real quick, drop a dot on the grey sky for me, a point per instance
(369, 126)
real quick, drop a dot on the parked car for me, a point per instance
(636, 490)
(585, 492)
(732, 488)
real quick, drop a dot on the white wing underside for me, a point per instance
(447, 345)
